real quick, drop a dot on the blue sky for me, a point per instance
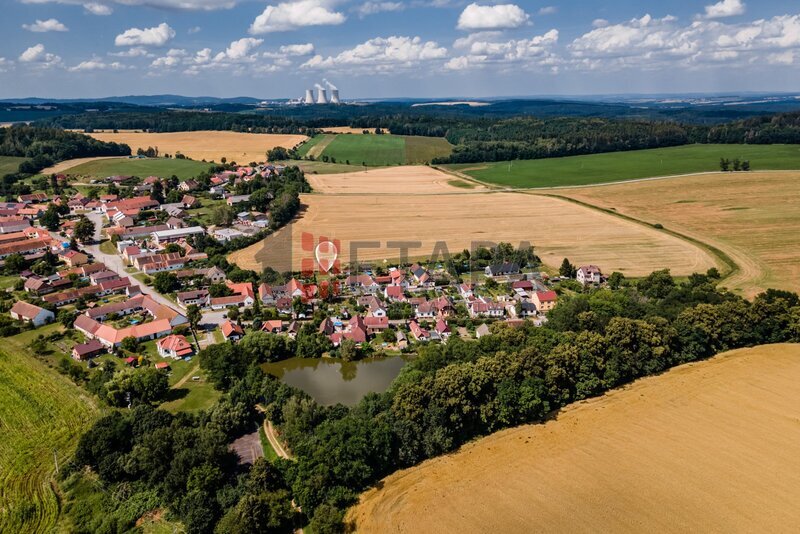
(414, 48)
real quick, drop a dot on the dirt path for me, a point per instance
(317, 150)
(704, 447)
(186, 377)
(272, 437)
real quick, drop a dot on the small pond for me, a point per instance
(330, 381)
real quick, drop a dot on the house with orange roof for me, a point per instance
(231, 331)
(174, 346)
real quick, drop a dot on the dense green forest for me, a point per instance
(157, 120)
(46, 146)
(477, 138)
(448, 395)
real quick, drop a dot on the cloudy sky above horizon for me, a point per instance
(403, 48)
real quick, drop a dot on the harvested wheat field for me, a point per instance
(753, 217)
(706, 447)
(389, 180)
(206, 145)
(556, 228)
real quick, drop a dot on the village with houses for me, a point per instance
(130, 273)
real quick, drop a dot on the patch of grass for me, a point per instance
(107, 247)
(620, 166)
(269, 452)
(308, 145)
(42, 413)
(320, 167)
(9, 164)
(461, 183)
(373, 150)
(193, 396)
(424, 149)
(182, 168)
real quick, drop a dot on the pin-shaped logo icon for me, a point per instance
(326, 253)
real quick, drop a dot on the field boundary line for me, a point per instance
(731, 267)
(470, 179)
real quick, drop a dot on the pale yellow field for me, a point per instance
(556, 228)
(345, 129)
(707, 447)
(383, 180)
(752, 217)
(206, 145)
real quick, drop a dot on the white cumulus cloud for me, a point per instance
(382, 55)
(97, 64)
(496, 17)
(372, 8)
(725, 8)
(297, 49)
(287, 16)
(98, 9)
(155, 36)
(37, 54)
(49, 25)
(242, 48)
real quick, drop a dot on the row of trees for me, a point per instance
(726, 165)
(448, 395)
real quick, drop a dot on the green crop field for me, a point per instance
(376, 150)
(9, 164)
(620, 166)
(41, 413)
(182, 168)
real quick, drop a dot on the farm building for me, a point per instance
(30, 313)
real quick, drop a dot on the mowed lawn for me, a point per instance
(182, 168)
(9, 164)
(620, 166)
(41, 413)
(377, 150)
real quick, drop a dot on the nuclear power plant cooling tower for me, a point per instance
(309, 96)
(334, 96)
(322, 97)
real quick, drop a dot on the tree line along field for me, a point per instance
(41, 413)
(376, 150)
(708, 446)
(620, 166)
(100, 168)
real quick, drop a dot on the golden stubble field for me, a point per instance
(206, 145)
(753, 217)
(389, 180)
(458, 218)
(706, 447)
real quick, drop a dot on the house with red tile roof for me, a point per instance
(231, 331)
(174, 346)
(544, 300)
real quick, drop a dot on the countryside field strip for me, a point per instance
(753, 218)
(612, 167)
(206, 145)
(41, 413)
(387, 180)
(66, 165)
(556, 228)
(705, 447)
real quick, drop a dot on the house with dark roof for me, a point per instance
(502, 270)
(88, 350)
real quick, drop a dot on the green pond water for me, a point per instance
(330, 381)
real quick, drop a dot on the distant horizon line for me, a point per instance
(554, 96)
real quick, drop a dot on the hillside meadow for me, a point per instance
(709, 446)
(620, 166)
(102, 167)
(9, 164)
(42, 415)
(752, 217)
(240, 147)
(376, 150)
